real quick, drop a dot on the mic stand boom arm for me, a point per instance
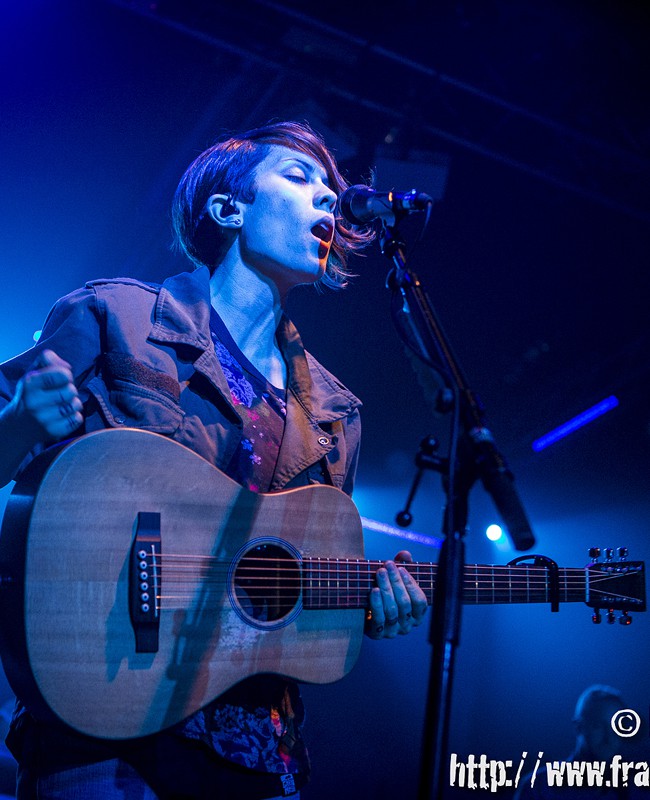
(472, 454)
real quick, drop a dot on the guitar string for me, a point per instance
(354, 602)
(469, 588)
(259, 585)
(319, 579)
(252, 575)
(351, 602)
(261, 591)
(345, 570)
(180, 560)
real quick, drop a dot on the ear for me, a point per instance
(224, 210)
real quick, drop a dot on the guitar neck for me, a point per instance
(345, 583)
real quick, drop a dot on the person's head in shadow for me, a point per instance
(596, 739)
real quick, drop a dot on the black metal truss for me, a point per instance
(384, 90)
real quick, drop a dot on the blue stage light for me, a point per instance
(573, 424)
(494, 532)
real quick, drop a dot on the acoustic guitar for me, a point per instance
(139, 583)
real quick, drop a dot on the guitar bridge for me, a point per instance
(144, 582)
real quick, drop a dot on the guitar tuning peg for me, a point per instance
(609, 554)
(594, 553)
(596, 618)
(622, 553)
(625, 619)
(611, 617)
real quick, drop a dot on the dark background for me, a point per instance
(529, 123)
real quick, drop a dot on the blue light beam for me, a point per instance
(577, 422)
(400, 533)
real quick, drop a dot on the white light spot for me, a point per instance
(494, 532)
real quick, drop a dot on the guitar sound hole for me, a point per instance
(267, 583)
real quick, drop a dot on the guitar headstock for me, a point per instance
(615, 585)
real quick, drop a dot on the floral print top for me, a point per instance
(256, 723)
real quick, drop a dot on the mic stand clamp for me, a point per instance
(425, 458)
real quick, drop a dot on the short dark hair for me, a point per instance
(228, 167)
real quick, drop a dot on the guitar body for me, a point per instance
(69, 641)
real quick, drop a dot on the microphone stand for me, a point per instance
(472, 454)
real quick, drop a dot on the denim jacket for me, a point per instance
(141, 356)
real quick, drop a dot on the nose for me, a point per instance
(326, 198)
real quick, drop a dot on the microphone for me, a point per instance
(361, 204)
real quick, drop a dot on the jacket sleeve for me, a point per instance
(72, 330)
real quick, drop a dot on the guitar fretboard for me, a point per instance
(345, 583)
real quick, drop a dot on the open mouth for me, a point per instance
(323, 230)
